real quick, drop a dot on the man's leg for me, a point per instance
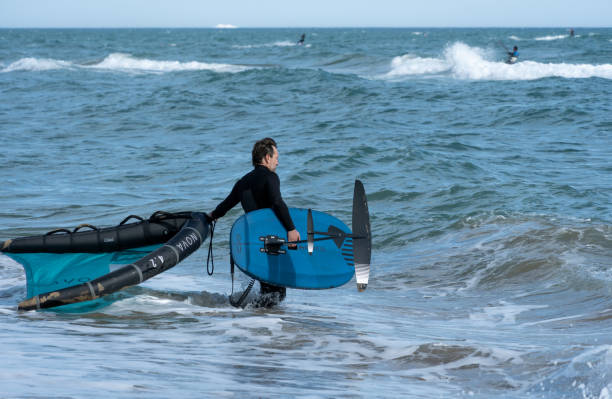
(269, 289)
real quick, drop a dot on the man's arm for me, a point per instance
(278, 205)
(228, 203)
(281, 210)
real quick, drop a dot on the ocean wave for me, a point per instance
(125, 62)
(122, 62)
(283, 43)
(36, 64)
(551, 37)
(464, 62)
(569, 256)
(412, 65)
(345, 59)
(493, 251)
(501, 313)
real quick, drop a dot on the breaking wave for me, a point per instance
(551, 37)
(120, 61)
(123, 62)
(37, 64)
(464, 62)
(282, 43)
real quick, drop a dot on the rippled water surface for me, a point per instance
(489, 186)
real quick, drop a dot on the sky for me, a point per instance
(305, 13)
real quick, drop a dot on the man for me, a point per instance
(302, 38)
(513, 55)
(260, 188)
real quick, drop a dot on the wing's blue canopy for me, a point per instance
(67, 267)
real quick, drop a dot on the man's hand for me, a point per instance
(293, 235)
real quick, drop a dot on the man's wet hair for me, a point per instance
(262, 148)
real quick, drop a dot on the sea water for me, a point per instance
(489, 187)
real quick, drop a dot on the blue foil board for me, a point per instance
(330, 265)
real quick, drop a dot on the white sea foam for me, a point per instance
(504, 314)
(125, 62)
(412, 65)
(465, 62)
(512, 37)
(14, 275)
(551, 37)
(282, 43)
(8, 261)
(225, 26)
(285, 43)
(36, 64)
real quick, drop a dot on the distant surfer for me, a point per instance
(513, 55)
(572, 32)
(258, 189)
(302, 38)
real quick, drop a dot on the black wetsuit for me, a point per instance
(258, 189)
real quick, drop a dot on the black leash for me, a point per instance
(210, 268)
(210, 261)
(245, 293)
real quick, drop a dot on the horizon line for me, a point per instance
(312, 27)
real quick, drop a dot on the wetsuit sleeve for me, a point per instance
(228, 203)
(278, 205)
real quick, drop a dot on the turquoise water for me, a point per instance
(489, 186)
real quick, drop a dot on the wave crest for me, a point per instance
(412, 65)
(281, 43)
(122, 62)
(551, 37)
(464, 62)
(37, 64)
